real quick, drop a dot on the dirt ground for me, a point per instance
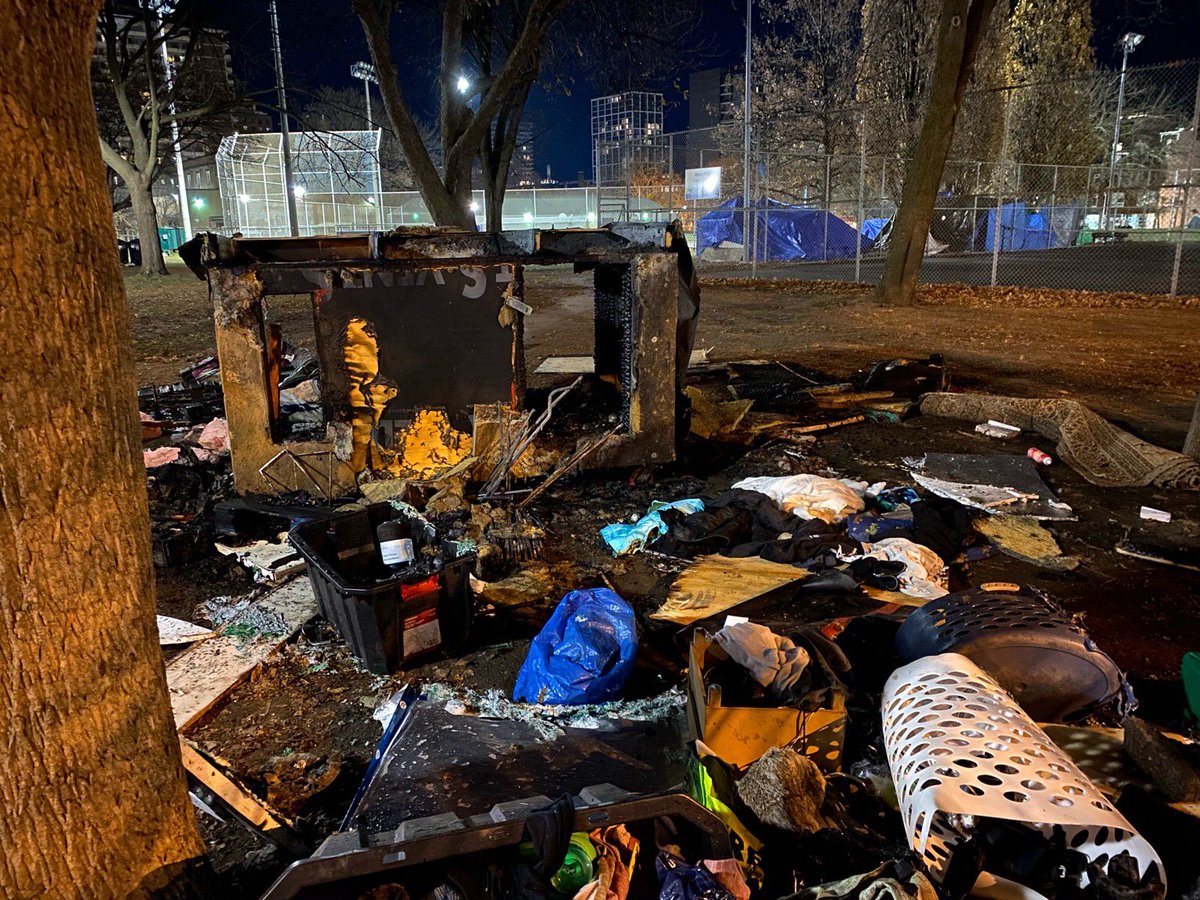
(1134, 365)
(301, 732)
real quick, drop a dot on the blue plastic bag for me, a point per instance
(583, 654)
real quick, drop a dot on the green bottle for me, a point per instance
(576, 870)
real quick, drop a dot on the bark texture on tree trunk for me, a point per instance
(93, 801)
(960, 30)
(142, 200)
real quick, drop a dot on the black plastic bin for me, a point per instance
(389, 622)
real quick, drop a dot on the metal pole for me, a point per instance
(1186, 191)
(628, 177)
(767, 199)
(825, 217)
(998, 237)
(754, 220)
(1112, 159)
(367, 94)
(671, 174)
(862, 188)
(1053, 204)
(283, 125)
(975, 205)
(882, 183)
(169, 75)
(746, 143)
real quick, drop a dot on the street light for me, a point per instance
(365, 72)
(1129, 41)
(463, 84)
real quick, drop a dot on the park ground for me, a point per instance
(1130, 357)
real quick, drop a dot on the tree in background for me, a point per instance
(979, 132)
(806, 75)
(502, 48)
(467, 117)
(895, 64)
(893, 68)
(93, 801)
(962, 27)
(1053, 118)
(136, 102)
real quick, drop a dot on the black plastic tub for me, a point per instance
(386, 623)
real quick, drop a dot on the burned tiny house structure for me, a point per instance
(420, 343)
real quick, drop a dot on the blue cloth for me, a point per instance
(623, 539)
(867, 528)
(783, 231)
(583, 654)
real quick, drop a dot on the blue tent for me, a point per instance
(1020, 229)
(785, 232)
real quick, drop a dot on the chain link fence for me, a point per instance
(1087, 184)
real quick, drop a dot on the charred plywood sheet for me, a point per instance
(408, 341)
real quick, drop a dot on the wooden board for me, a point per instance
(586, 365)
(205, 673)
(714, 584)
(236, 799)
(892, 598)
(173, 631)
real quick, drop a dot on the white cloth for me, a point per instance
(924, 572)
(772, 659)
(811, 496)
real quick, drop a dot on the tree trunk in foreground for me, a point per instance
(141, 198)
(93, 801)
(960, 31)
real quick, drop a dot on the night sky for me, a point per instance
(322, 39)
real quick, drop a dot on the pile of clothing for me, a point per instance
(846, 532)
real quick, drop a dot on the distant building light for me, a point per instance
(198, 202)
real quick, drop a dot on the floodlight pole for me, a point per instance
(746, 145)
(169, 76)
(365, 72)
(1128, 42)
(293, 227)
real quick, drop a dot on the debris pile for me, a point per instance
(748, 674)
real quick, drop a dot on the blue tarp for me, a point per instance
(784, 231)
(872, 227)
(1020, 229)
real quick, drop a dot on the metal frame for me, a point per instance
(349, 855)
(637, 327)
